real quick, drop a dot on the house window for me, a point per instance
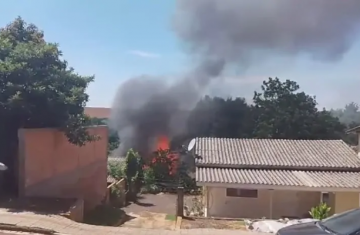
(237, 192)
(325, 197)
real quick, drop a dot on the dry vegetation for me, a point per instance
(193, 223)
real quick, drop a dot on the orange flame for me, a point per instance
(163, 143)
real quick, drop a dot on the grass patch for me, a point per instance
(105, 215)
(241, 222)
(170, 217)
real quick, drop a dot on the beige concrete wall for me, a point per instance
(50, 166)
(343, 201)
(284, 204)
(307, 200)
(358, 148)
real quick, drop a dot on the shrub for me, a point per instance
(149, 183)
(164, 165)
(116, 169)
(149, 176)
(320, 211)
(131, 165)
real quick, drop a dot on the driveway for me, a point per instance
(152, 211)
(155, 203)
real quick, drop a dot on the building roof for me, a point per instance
(275, 153)
(313, 179)
(97, 112)
(354, 129)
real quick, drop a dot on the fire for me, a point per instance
(163, 143)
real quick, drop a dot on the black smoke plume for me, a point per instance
(223, 35)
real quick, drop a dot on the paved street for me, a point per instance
(65, 226)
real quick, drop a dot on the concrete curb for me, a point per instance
(17, 228)
(178, 223)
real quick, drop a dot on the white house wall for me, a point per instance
(284, 204)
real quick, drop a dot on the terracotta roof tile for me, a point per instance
(302, 154)
(279, 177)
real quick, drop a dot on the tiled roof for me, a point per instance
(224, 152)
(97, 112)
(354, 129)
(325, 179)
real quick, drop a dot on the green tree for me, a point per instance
(37, 89)
(218, 117)
(113, 138)
(285, 113)
(113, 142)
(350, 117)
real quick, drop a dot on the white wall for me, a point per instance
(358, 148)
(235, 207)
(285, 203)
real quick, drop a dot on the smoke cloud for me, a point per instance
(223, 35)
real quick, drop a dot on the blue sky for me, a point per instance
(117, 39)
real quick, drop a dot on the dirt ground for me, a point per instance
(151, 220)
(196, 223)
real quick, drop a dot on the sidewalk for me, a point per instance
(66, 226)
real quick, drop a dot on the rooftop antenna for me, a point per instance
(3, 167)
(191, 145)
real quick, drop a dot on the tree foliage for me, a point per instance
(279, 110)
(164, 165)
(131, 165)
(37, 88)
(350, 117)
(113, 138)
(218, 117)
(133, 173)
(113, 142)
(285, 113)
(116, 169)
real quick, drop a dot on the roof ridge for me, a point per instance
(275, 168)
(227, 138)
(276, 152)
